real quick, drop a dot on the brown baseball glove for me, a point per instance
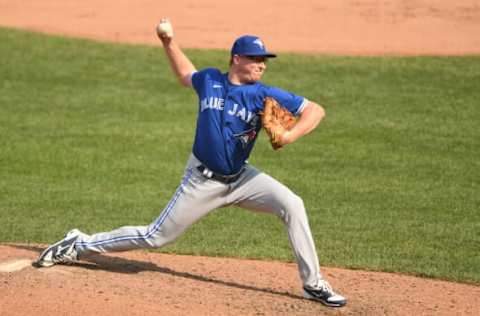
(276, 120)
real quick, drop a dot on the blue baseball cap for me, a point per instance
(249, 45)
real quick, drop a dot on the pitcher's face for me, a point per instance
(249, 68)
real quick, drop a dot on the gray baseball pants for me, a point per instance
(197, 196)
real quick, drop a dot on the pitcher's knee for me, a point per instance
(294, 203)
(293, 207)
(163, 236)
(298, 202)
(157, 240)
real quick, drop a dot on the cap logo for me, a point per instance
(258, 42)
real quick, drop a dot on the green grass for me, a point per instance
(96, 136)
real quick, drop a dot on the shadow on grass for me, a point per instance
(121, 265)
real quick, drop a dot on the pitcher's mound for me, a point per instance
(145, 283)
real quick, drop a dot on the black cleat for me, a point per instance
(60, 252)
(322, 292)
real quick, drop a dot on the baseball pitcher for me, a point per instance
(232, 109)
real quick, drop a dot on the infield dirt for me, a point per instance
(359, 27)
(143, 283)
(140, 283)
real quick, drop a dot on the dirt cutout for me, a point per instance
(144, 283)
(141, 283)
(359, 27)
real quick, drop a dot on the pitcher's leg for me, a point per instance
(263, 193)
(186, 207)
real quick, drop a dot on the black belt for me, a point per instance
(219, 177)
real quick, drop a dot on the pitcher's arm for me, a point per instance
(182, 67)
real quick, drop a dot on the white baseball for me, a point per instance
(164, 28)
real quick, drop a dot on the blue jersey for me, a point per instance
(228, 118)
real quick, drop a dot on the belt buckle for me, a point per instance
(207, 172)
(226, 179)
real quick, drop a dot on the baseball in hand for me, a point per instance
(164, 28)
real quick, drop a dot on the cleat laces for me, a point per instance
(65, 258)
(324, 286)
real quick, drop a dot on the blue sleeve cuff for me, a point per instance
(302, 107)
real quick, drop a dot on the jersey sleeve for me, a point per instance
(199, 78)
(294, 103)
